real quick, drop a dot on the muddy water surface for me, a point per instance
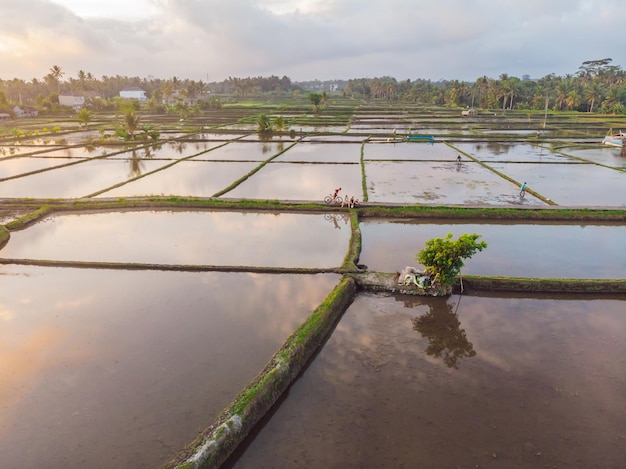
(443, 182)
(490, 382)
(120, 369)
(305, 181)
(525, 250)
(517, 152)
(409, 151)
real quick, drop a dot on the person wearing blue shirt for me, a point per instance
(523, 190)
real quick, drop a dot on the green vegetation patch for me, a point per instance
(4, 235)
(29, 219)
(543, 285)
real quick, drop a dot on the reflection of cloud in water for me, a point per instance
(140, 351)
(21, 362)
(178, 237)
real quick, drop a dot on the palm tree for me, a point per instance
(131, 123)
(57, 73)
(82, 77)
(593, 92)
(573, 99)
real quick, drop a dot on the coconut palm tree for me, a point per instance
(593, 92)
(131, 123)
(57, 74)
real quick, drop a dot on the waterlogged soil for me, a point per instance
(10, 214)
(417, 151)
(511, 152)
(490, 382)
(111, 369)
(444, 182)
(515, 250)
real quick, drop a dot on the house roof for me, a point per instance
(71, 93)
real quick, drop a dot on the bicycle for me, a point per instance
(329, 199)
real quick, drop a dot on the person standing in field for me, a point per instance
(522, 192)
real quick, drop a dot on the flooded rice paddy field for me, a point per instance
(322, 153)
(141, 361)
(442, 183)
(410, 151)
(189, 178)
(113, 369)
(16, 166)
(304, 181)
(511, 152)
(571, 184)
(607, 156)
(406, 172)
(78, 180)
(472, 381)
(517, 250)
(185, 238)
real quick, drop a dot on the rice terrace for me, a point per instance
(188, 299)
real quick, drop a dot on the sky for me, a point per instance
(212, 40)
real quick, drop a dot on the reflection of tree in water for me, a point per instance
(136, 164)
(267, 140)
(147, 150)
(442, 328)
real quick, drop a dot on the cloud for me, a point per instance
(308, 39)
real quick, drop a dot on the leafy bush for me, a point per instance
(443, 257)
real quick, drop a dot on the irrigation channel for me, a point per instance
(195, 304)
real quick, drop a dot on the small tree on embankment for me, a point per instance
(443, 258)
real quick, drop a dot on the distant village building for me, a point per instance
(5, 116)
(25, 112)
(91, 96)
(469, 112)
(72, 99)
(134, 92)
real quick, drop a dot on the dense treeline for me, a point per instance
(598, 86)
